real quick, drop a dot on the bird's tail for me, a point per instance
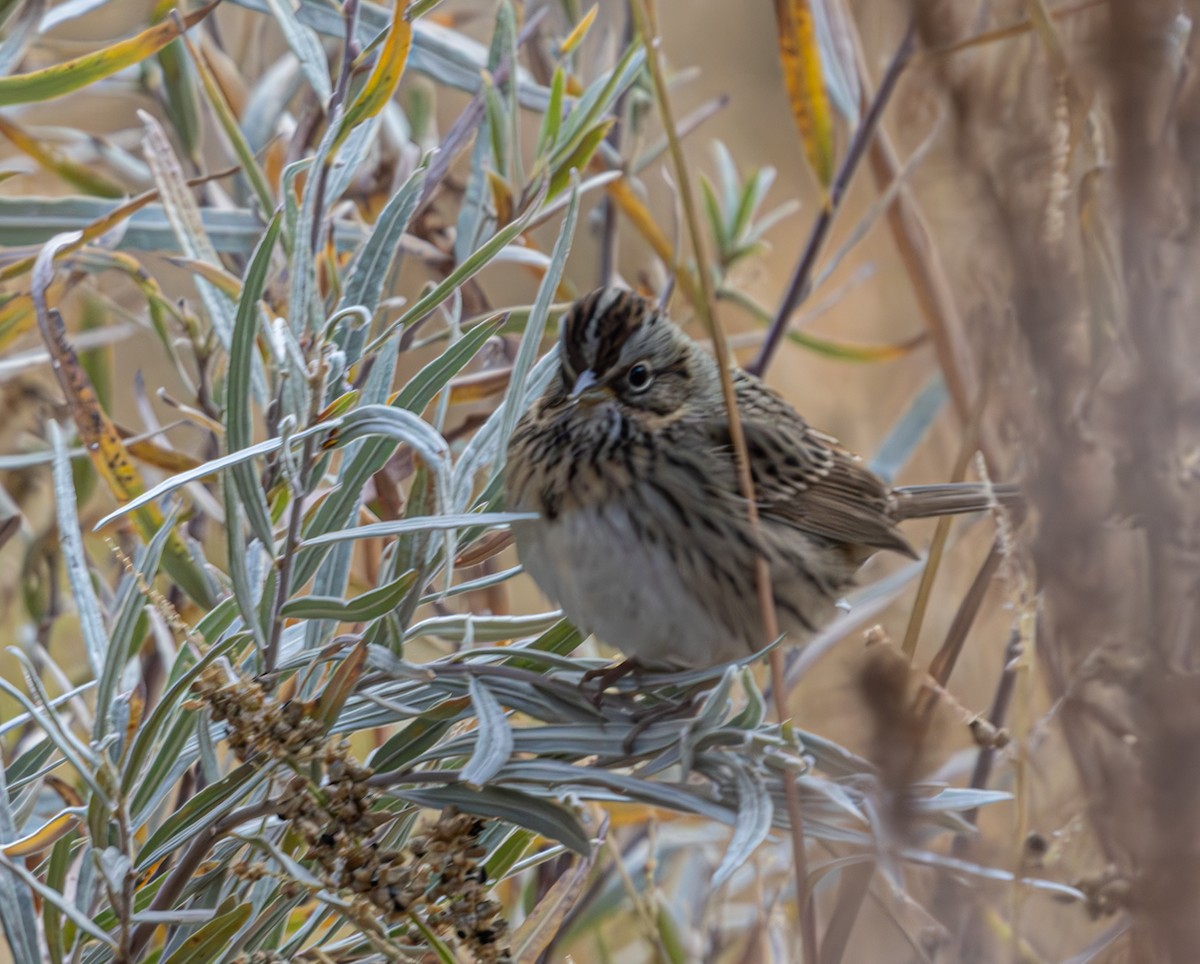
(950, 498)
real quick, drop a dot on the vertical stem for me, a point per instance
(647, 23)
(801, 280)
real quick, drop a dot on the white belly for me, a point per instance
(629, 593)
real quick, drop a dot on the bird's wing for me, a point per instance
(803, 478)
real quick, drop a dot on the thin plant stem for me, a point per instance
(801, 281)
(647, 23)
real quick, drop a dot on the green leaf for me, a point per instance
(370, 605)
(130, 607)
(370, 268)
(87, 606)
(427, 523)
(753, 823)
(60, 79)
(531, 341)
(199, 813)
(238, 393)
(16, 906)
(493, 736)
(211, 941)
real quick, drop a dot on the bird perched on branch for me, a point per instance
(643, 535)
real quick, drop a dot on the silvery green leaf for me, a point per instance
(531, 340)
(243, 360)
(211, 467)
(21, 29)
(482, 629)
(493, 737)
(303, 43)
(370, 605)
(958, 799)
(754, 815)
(483, 449)
(33, 221)
(81, 757)
(369, 270)
(79, 919)
(968, 869)
(130, 605)
(463, 271)
(166, 710)
(186, 221)
(91, 621)
(350, 157)
(17, 912)
(214, 801)
(303, 310)
(429, 523)
(17, 720)
(910, 428)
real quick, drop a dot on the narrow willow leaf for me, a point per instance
(370, 268)
(754, 816)
(129, 611)
(385, 76)
(186, 221)
(199, 812)
(245, 154)
(423, 387)
(17, 912)
(430, 523)
(98, 433)
(531, 341)
(87, 606)
(471, 266)
(360, 609)
(552, 118)
(32, 221)
(302, 41)
(79, 175)
(596, 101)
(71, 75)
(801, 58)
(19, 29)
(81, 920)
(904, 437)
(493, 737)
(211, 467)
(210, 942)
(166, 710)
(238, 394)
(534, 813)
(444, 54)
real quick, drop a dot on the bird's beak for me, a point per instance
(585, 381)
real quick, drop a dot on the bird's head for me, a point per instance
(617, 346)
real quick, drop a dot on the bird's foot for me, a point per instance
(647, 718)
(607, 675)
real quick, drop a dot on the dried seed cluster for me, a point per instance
(258, 723)
(440, 878)
(437, 877)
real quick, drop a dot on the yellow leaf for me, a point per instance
(215, 275)
(801, 60)
(42, 838)
(384, 78)
(575, 37)
(87, 69)
(80, 175)
(107, 450)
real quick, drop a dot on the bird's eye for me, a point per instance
(639, 377)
